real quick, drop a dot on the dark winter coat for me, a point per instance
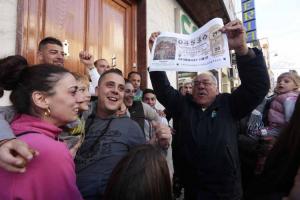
(206, 141)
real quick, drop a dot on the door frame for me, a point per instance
(30, 21)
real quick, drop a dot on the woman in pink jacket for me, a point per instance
(44, 100)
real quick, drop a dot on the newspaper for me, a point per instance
(205, 49)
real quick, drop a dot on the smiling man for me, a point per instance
(51, 51)
(139, 111)
(205, 153)
(108, 137)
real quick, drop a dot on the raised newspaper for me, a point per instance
(205, 49)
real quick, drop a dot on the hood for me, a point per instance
(25, 122)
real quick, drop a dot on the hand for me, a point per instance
(15, 154)
(122, 110)
(161, 113)
(87, 59)
(152, 39)
(162, 135)
(236, 34)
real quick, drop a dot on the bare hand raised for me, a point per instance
(236, 34)
(87, 59)
(152, 38)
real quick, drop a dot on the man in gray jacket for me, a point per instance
(109, 137)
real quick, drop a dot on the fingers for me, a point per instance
(154, 35)
(162, 134)
(12, 168)
(87, 59)
(23, 150)
(152, 38)
(14, 155)
(122, 110)
(235, 25)
(10, 161)
(161, 113)
(161, 130)
(84, 55)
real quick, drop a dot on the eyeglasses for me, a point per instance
(205, 83)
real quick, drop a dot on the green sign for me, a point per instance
(187, 26)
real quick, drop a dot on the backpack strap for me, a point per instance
(137, 113)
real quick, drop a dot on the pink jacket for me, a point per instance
(276, 114)
(50, 175)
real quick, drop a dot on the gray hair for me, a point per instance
(187, 81)
(213, 78)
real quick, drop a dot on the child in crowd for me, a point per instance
(281, 168)
(281, 109)
(283, 104)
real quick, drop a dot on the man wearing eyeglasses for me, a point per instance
(205, 154)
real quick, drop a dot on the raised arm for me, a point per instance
(166, 94)
(252, 71)
(87, 60)
(254, 86)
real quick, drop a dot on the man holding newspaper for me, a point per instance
(205, 153)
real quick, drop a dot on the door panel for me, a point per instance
(106, 28)
(114, 34)
(65, 19)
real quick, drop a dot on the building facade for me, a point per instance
(117, 30)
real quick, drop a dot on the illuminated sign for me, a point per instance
(249, 20)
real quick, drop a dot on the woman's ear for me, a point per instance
(40, 100)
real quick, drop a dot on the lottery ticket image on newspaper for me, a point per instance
(205, 49)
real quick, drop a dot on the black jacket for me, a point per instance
(206, 141)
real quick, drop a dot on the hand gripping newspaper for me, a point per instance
(205, 49)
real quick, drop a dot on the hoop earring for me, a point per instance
(47, 113)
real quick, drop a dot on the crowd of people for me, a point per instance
(98, 135)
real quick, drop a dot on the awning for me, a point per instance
(201, 11)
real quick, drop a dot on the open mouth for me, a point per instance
(58, 62)
(202, 94)
(280, 88)
(114, 99)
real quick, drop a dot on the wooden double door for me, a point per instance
(106, 28)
